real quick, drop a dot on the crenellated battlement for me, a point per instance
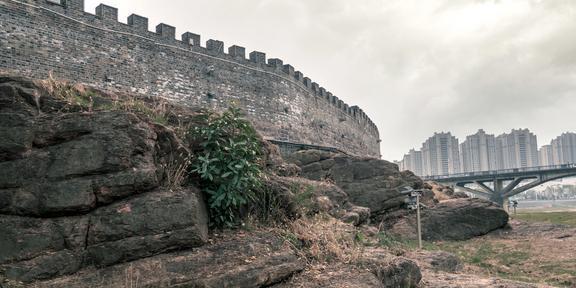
(105, 18)
(167, 33)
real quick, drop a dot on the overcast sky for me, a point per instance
(414, 66)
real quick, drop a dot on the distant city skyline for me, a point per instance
(443, 154)
(551, 138)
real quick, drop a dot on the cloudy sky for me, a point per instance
(414, 66)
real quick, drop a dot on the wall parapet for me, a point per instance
(105, 18)
(166, 34)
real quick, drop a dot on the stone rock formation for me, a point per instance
(241, 260)
(297, 196)
(376, 270)
(369, 182)
(80, 189)
(86, 201)
(454, 219)
(442, 192)
(392, 271)
(437, 261)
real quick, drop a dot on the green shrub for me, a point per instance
(227, 163)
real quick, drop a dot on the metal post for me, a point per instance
(418, 220)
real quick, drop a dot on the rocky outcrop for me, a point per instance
(79, 189)
(369, 182)
(375, 269)
(155, 222)
(235, 261)
(274, 163)
(455, 219)
(86, 200)
(437, 261)
(335, 276)
(391, 271)
(296, 197)
(443, 192)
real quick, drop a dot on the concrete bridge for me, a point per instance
(500, 185)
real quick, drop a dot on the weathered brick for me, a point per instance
(279, 100)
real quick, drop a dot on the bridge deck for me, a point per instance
(506, 174)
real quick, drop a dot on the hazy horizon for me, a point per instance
(412, 66)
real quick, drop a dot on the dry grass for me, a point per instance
(176, 170)
(543, 256)
(155, 109)
(131, 277)
(322, 238)
(73, 95)
(438, 191)
(84, 99)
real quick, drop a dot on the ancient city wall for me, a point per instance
(40, 36)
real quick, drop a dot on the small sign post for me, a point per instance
(414, 204)
(418, 220)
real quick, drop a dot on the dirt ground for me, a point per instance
(540, 253)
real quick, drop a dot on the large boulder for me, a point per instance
(373, 183)
(82, 188)
(149, 224)
(455, 219)
(392, 271)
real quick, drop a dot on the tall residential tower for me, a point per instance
(564, 149)
(518, 149)
(440, 155)
(412, 161)
(478, 152)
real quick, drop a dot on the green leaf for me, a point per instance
(228, 164)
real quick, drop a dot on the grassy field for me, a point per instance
(564, 218)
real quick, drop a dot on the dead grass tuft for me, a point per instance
(73, 95)
(322, 238)
(85, 99)
(176, 169)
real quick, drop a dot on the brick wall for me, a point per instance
(38, 36)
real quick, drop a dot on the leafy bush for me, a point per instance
(228, 164)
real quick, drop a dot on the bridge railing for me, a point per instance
(287, 148)
(499, 172)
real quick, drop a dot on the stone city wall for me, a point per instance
(42, 36)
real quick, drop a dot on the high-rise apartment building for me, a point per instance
(518, 149)
(478, 152)
(412, 161)
(440, 155)
(545, 156)
(564, 148)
